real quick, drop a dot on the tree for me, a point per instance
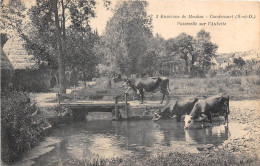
(239, 62)
(185, 48)
(80, 41)
(204, 50)
(149, 63)
(46, 38)
(12, 16)
(171, 47)
(127, 35)
(80, 52)
(61, 67)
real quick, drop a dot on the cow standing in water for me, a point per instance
(178, 108)
(140, 85)
(203, 109)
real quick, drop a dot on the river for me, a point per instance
(109, 139)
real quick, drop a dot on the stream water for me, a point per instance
(108, 139)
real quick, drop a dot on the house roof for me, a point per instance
(223, 60)
(5, 63)
(17, 54)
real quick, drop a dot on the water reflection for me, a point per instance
(211, 135)
(109, 139)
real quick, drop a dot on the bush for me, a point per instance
(18, 132)
(31, 80)
(212, 73)
(235, 72)
(258, 71)
(197, 72)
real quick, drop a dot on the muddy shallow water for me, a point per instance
(108, 139)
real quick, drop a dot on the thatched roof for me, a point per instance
(17, 54)
(5, 63)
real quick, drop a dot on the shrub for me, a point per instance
(30, 80)
(235, 72)
(210, 83)
(212, 73)
(241, 89)
(18, 132)
(235, 80)
(197, 72)
(228, 68)
(258, 71)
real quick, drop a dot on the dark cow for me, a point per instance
(140, 85)
(217, 105)
(178, 108)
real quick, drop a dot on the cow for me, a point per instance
(140, 85)
(203, 109)
(178, 108)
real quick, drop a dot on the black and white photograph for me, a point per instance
(130, 82)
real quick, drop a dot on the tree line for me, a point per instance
(58, 32)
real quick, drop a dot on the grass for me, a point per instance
(238, 88)
(214, 157)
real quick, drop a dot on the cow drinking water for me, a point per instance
(178, 108)
(140, 85)
(203, 109)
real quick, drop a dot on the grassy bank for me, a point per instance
(238, 88)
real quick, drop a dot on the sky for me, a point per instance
(238, 34)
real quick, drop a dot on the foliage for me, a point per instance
(151, 62)
(236, 72)
(81, 53)
(47, 39)
(127, 35)
(239, 62)
(204, 50)
(228, 68)
(251, 67)
(212, 73)
(148, 62)
(185, 48)
(18, 132)
(12, 15)
(31, 80)
(196, 52)
(241, 67)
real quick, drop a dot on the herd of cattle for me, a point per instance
(193, 109)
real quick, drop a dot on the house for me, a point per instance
(226, 59)
(221, 62)
(6, 69)
(28, 74)
(249, 55)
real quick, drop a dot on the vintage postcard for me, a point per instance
(130, 82)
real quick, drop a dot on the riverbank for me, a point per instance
(238, 88)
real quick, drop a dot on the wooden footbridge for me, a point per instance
(114, 110)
